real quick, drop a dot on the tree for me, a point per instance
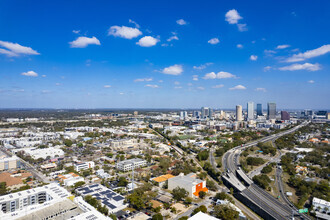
(201, 208)
(203, 155)
(225, 212)
(183, 218)
(188, 201)
(179, 193)
(79, 184)
(68, 142)
(157, 216)
(3, 189)
(202, 194)
(122, 181)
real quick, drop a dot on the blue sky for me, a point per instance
(164, 54)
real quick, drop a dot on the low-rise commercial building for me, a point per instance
(83, 165)
(70, 179)
(131, 164)
(189, 182)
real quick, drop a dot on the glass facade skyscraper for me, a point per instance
(271, 110)
(259, 109)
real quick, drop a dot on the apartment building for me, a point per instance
(127, 165)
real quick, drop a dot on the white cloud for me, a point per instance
(143, 80)
(218, 86)
(309, 54)
(14, 49)
(253, 57)
(174, 37)
(311, 81)
(189, 84)
(203, 66)
(160, 81)
(177, 87)
(201, 88)
(232, 16)
(176, 83)
(214, 41)
(219, 75)
(82, 42)
(30, 73)
(58, 84)
(195, 77)
(121, 93)
(261, 90)
(147, 41)
(107, 86)
(238, 87)
(173, 70)
(282, 46)
(267, 68)
(239, 46)
(124, 32)
(133, 22)
(76, 31)
(269, 52)
(242, 27)
(45, 91)
(152, 86)
(305, 66)
(181, 22)
(43, 75)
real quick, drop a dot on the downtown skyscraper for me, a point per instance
(271, 110)
(250, 110)
(259, 109)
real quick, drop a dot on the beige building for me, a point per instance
(8, 163)
(239, 113)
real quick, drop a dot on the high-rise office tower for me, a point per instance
(285, 116)
(183, 115)
(271, 110)
(210, 113)
(239, 113)
(250, 110)
(196, 114)
(259, 109)
(205, 112)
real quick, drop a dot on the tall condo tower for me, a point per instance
(271, 110)
(250, 110)
(239, 113)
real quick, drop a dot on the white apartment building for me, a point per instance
(321, 208)
(36, 153)
(83, 165)
(8, 163)
(47, 202)
(131, 164)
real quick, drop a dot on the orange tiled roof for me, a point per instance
(163, 178)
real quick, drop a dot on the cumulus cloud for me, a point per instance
(214, 41)
(218, 86)
(143, 80)
(267, 68)
(76, 31)
(147, 41)
(239, 46)
(242, 27)
(181, 22)
(152, 86)
(238, 87)
(174, 37)
(107, 86)
(309, 54)
(200, 88)
(124, 32)
(195, 77)
(311, 81)
(232, 16)
(282, 46)
(261, 90)
(133, 22)
(82, 42)
(203, 66)
(253, 57)
(173, 70)
(30, 73)
(219, 75)
(305, 66)
(14, 49)
(269, 52)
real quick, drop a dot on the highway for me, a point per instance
(270, 206)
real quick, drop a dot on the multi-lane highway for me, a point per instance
(262, 201)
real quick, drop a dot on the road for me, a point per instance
(259, 196)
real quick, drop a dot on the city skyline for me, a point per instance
(156, 55)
